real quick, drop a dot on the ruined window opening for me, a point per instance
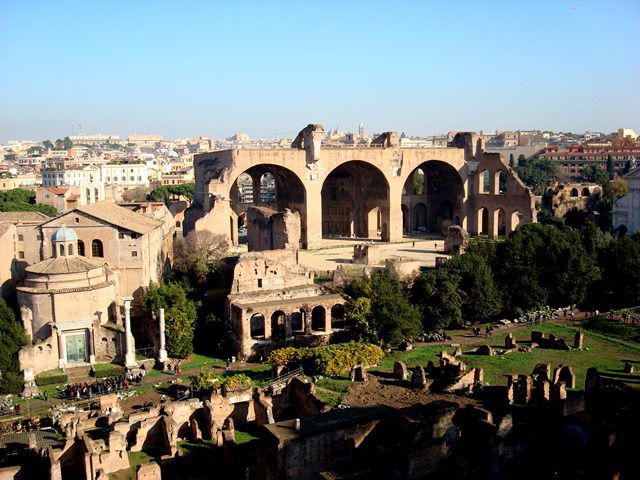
(485, 182)
(259, 283)
(256, 325)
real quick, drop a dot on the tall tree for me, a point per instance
(512, 161)
(438, 298)
(480, 298)
(180, 314)
(541, 264)
(611, 169)
(67, 143)
(12, 337)
(391, 316)
(595, 174)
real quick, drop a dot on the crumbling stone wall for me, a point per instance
(268, 229)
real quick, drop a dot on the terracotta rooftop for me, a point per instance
(58, 190)
(18, 217)
(119, 216)
(60, 265)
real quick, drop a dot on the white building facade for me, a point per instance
(626, 210)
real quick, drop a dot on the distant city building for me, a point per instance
(573, 159)
(98, 139)
(124, 174)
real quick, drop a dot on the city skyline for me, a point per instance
(213, 69)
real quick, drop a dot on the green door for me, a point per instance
(76, 348)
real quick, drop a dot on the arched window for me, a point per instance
(318, 318)
(586, 192)
(574, 192)
(256, 324)
(96, 249)
(485, 182)
(80, 247)
(178, 224)
(501, 180)
(62, 250)
(88, 192)
(70, 249)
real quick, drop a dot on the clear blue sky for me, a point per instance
(188, 68)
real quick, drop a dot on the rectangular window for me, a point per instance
(39, 236)
(132, 178)
(134, 235)
(120, 235)
(20, 254)
(20, 237)
(134, 254)
(259, 283)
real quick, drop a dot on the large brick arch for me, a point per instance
(307, 166)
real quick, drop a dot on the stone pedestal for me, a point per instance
(29, 388)
(162, 352)
(130, 355)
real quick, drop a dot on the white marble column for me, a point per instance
(130, 355)
(162, 353)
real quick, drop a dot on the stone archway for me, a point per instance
(271, 186)
(483, 221)
(350, 193)
(319, 319)
(440, 191)
(278, 326)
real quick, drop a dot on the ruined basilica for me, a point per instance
(359, 191)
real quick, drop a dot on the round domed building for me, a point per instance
(69, 309)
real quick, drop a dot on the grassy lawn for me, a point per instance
(196, 360)
(332, 389)
(606, 354)
(244, 437)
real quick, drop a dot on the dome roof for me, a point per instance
(64, 234)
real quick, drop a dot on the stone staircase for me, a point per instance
(79, 373)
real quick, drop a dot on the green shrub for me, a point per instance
(51, 377)
(206, 381)
(237, 383)
(328, 360)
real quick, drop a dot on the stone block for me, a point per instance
(418, 377)
(537, 337)
(149, 471)
(542, 371)
(510, 342)
(485, 350)
(400, 370)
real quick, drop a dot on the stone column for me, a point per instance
(162, 353)
(92, 351)
(61, 350)
(130, 354)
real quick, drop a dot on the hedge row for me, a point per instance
(106, 371)
(51, 378)
(328, 360)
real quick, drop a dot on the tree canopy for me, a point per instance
(380, 310)
(12, 337)
(20, 200)
(166, 192)
(180, 315)
(596, 174)
(537, 173)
